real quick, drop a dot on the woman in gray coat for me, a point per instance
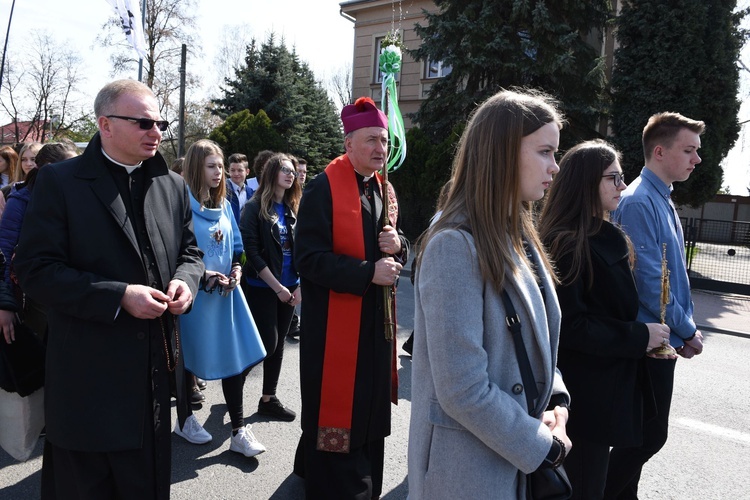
(472, 434)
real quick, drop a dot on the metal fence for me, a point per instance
(718, 254)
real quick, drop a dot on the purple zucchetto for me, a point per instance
(363, 113)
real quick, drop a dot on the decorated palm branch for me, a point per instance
(390, 64)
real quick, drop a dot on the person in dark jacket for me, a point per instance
(21, 360)
(271, 285)
(15, 207)
(9, 307)
(107, 246)
(602, 346)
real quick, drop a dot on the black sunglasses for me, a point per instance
(617, 178)
(144, 123)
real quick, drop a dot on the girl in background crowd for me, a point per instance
(602, 346)
(8, 166)
(27, 164)
(472, 433)
(28, 160)
(33, 314)
(272, 285)
(219, 337)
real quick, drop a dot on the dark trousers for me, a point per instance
(586, 465)
(357, 475)
(140, 474)
(625, 464)
(232, 388)
(272, 317)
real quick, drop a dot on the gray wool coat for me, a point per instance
(470, 435)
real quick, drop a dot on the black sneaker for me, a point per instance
(409, 344)
(294, 327)
(274, 408)
(197, 397)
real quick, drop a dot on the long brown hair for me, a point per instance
(9, 155)
(193, 172)
(267, 186)
(486, 182)
(573, 211)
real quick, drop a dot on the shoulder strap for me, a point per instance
(527, 376)
(514, 325)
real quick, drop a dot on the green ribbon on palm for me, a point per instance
(390, 64)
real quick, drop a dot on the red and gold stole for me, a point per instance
(344, 314)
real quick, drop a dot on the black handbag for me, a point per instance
(22, 361)
(545, 483)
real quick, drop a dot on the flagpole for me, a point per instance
(5, 49)
(143, 24)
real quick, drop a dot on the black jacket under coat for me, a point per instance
(602, 346)
(262, 240)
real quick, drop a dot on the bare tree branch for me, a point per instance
(339, 86)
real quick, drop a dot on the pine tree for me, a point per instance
(504, 43)
(274, 80)
(678, 56)
(248, 134)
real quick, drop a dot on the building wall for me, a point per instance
(374, 19)
(723, 207)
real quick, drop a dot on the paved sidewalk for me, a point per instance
(722, 313)
(709, 425)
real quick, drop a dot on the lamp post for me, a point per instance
(5, 48)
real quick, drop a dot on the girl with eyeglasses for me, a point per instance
(271, 283)
(602, 346)
(219, 337)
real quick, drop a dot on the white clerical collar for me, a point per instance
(365, 178)
(129, 168)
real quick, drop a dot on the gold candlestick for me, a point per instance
(665, 349)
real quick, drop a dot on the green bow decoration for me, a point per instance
(390, 64)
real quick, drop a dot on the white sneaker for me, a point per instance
(244, 442)
(193, 432)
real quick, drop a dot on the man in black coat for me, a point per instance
(108, 247)
(346, 362)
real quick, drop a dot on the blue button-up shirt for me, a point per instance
(647, 215)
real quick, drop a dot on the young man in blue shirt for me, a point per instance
(648, 216)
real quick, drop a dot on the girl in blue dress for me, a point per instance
(219, 336)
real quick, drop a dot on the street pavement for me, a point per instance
(705, 458)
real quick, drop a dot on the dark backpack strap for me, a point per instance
(527, 376)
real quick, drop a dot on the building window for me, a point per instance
(437, 69)
(377, 75)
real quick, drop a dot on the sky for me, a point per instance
(320, 35)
